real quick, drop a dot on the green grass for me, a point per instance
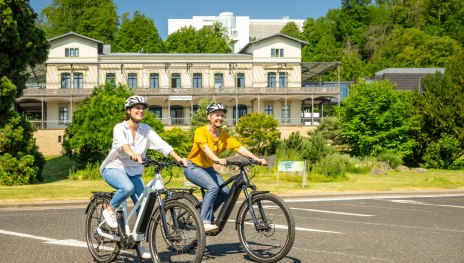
(56, 186)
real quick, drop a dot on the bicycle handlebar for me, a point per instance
(242, 164)
(148, 161)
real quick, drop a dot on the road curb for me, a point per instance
(308, 195)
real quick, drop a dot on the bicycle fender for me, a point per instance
(245, 202)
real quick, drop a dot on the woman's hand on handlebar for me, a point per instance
(261, 161)
(182, 161)
(221, 161)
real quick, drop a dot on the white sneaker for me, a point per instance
(210, 227)
(142, 252)
(110, 218)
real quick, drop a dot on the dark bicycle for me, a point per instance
(265, 226)
(173, 227)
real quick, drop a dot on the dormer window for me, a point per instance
(277, 52)
(71, 52)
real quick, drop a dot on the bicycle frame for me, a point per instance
(151, 194)
(241, 184)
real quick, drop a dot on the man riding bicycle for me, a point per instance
(208, 142)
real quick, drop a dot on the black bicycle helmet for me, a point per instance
(215, 107)
(134, 100)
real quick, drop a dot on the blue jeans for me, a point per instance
(210, 180)
(125, 186)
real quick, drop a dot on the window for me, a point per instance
(285, 113)
(71, 52)
(154, 80)
(271, 79)
(268, 110)
(78, 80)
(242, 111)
(132, 80)
(175, 80)
(277, 52)
(157, 111)
(218, 80)
(240, 80)
(111, 78)
(197, 80)
(283, 82)
(65, 80)
(62, 115)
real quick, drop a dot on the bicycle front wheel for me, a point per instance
(101, 248)
(184, 240)
(276, 228)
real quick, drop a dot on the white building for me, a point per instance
(266, 76)
(241, 29)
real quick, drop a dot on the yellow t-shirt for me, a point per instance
(203, 136)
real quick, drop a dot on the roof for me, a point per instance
(303, 43)
(74, 34)
(312, 69)
(410, 71)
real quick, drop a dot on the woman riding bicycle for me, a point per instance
(123, 168)
(208, 142)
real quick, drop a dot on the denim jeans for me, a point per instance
(210, 180)
(125, 186)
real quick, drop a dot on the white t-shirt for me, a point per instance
(145, 138)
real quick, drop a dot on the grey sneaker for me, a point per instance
(110, 218)
(142, 252)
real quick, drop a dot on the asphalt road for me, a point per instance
(415, 227)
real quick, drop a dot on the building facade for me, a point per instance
(265, 76)
(240, 29)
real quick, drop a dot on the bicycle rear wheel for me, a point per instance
(185, 240)
(276, 232)
(101, 248)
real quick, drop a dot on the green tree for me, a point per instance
(89, 136)
(179, 139)
(205, 40)
(95, 19)
(291, 29)
(22, 44)
(138, 34)
(440, 105)
(373, 120)
(259, 132)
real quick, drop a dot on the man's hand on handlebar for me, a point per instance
(261, 161)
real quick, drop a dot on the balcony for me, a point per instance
(324, 91)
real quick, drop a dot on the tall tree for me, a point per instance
(205, 40)
(95, 19)
(22, 44)
(138, 34)
(373, 120)
(259, 132)
(291, 29)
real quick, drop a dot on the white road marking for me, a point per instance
(46, 239)
(422, 203)
(297, 228)
(330, 212)
(68, 242)
(367, 197)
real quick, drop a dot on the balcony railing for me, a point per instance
(192, 91)
(180, 122)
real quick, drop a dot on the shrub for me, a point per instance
(90, 172)
(362, 165)
(17, 171)
(391, 159)
(443, 153)
(458, 164)
(333, 167)
(314, 148)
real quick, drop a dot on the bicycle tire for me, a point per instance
(103, 250)
(186, 243)
(279, 228)
(187, 196)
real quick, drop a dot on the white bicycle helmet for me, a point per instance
(134, 100)
(215, 107)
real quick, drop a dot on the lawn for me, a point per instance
(56, 186)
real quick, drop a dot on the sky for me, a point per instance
(161, 11)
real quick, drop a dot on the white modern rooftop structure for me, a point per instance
(240, 29)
